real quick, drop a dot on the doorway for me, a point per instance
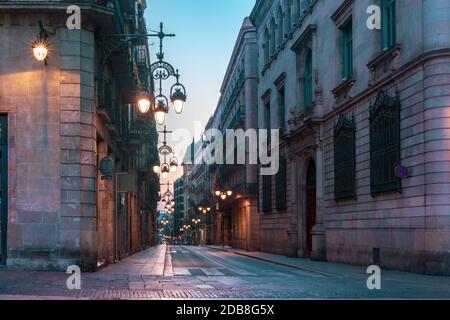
(3, 187)
(310, 203)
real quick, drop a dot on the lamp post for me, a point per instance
(160, 70)
(166, 151)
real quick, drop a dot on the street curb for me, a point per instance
(285, 264)
(218, 249)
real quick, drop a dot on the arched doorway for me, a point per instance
(310, 201)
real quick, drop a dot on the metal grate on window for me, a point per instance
(384, 121)
(344, 158)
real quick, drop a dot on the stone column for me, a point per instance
(319, 251)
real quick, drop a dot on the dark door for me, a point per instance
(3, 186)
(310, 203)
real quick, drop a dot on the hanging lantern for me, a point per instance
(173, 164)
(178, 99)
(161, 111)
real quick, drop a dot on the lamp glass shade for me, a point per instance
(40, 50)
(178, 99)
(217, 193)
(164, 175)
(229, 193)
(223, 196)
(178, 106)
(160, 117)
(173, 164)
(156, 169)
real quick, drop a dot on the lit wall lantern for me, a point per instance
(156, 169)
(144, 102)
(161, 110)
(41, 45)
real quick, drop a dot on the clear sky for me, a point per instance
(206, 31)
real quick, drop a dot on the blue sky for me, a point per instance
(206, 31)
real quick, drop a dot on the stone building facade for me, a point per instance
(236, 222)
(178, 214)
(63, 118)
(364, 119)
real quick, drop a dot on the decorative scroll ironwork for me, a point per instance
(384, 144)
(162, 70)
(280, 182)
(344, 158)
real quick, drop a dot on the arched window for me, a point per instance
(272, 36)
(308, 80)
(288, 16)
(266, 46)
(280, 26)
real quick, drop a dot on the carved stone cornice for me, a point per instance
(342, 12)
(342, 91)
(384, 65)
(305, 36)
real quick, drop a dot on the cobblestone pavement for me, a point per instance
(182, 272)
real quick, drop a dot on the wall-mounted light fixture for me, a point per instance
(41, 45)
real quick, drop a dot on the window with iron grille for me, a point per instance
(344, 159)
(280, 181)
(267, 193)
(384, 121)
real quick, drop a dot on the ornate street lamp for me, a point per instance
(159, 71)
(223, 194)
(204, 209)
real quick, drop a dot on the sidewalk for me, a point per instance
(146, 262)
(336, 270)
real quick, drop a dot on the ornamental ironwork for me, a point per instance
(344, 158)
(384, 122)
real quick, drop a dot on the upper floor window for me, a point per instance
(272, 37)
(384, 119)
(388, 23)
(280, 23)
(282, 108)
(308, 80)
(266, 46)
(288, 16)
(267, 119)
(347, 43)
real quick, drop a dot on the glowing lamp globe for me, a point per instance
(178, 99)
(144, 102)
(40, 50)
